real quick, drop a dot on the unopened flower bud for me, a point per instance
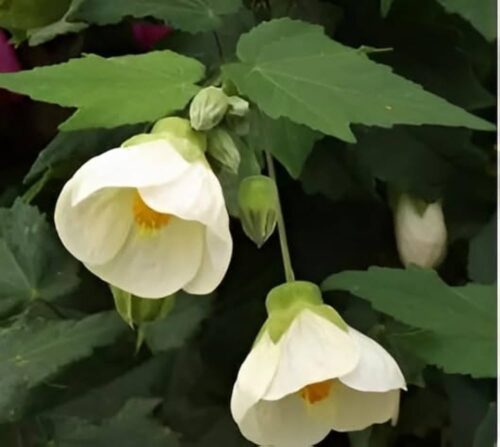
(258, 205)
(135, 310)
(208, 108)
(420, 232)
(238, 106)
(222, 148)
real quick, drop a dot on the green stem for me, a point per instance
(285, 252)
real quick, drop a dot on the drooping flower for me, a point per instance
(149, 218)
(420, 232)
(309, 373)
(147, 35)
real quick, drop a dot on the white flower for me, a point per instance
(146, 220)
(317, 377)
(420, 232)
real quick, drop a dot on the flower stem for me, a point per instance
(285, 252)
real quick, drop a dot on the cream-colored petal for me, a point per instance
(354, 410)
(146, 164)
(254, 376)
(196, 195)
(94, 230)
(312, 350)
(288, 422)
(154, 265)
(216, 257)
(376, 371)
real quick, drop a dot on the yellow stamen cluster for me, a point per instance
(147, 218)
(316, 392)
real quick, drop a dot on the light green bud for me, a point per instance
(178, 132)
(180, 128)
(208, 108)
(222, 148)
(286, 301)
(258, 206)
(238, 106)
(135, 310)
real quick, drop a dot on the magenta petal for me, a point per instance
(146, 35)
(8, 57)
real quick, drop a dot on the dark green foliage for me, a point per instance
(354, 98)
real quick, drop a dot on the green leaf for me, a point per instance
(482, 263)
(146, 380)
(64, 25)
(33, 264)
(112, 92)
(180, 324)
(334, 170)
(188, 15)
(69, 150)
(291, 69)
(414, 421)
(458, 325)
(422, 160)
(481, 14)
(22, 15)
(132, 426)
(31, 351)
(290, 143)
(486, 434)
(455, 354)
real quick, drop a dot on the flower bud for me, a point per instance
(238, 106)
(258, 205)
(221, 147)
(208, 108)
(420, 232)
(135, 310)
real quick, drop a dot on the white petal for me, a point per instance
(216, 257)
(95, 229)
(196, 195)
(312, 350)
(254, 376)
(288, 422)
(146, 164)
(158, 264)
(376, 370)
(356, 410)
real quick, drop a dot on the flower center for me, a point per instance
(147, 218)
(316, 392)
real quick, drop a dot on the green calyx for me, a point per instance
(285, 302)
(178, 132)
(136, 311)
(258, 207)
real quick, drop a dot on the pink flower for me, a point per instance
(8, 63)
(8, 57)
(147, 35)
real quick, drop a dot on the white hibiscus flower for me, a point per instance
(309, 373)
(147, 219)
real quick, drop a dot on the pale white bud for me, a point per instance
(420, 232)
